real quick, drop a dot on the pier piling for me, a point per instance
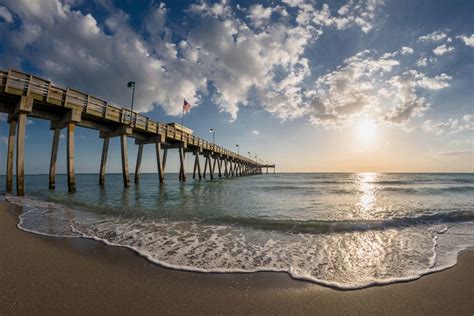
(139, 162)
(103, 160)
(160, 161)
(124, 152)
(11, 154)
(71, 177)
(54, 158)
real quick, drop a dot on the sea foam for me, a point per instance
(346, 260)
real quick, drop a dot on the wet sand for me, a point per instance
(48, 275)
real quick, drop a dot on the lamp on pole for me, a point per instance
(213, 131)
(238, 149)
(131, 84)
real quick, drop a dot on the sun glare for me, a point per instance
(366, 130)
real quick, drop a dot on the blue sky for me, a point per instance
(374, 85)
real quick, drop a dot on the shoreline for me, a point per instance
(78, 275)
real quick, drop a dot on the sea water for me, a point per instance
(344, 230)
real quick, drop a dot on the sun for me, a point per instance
(366, 130)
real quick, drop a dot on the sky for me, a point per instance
(323, 86)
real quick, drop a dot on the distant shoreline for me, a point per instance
(42, 275)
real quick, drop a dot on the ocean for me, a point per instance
(344, 230)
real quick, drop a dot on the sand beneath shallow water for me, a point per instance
(47, 275)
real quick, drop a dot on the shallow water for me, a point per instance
(343, 230)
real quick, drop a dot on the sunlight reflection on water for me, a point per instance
(367, 200)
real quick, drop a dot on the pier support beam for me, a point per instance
(197, 167)
(71, 177)
(211, 170)
(20, 155)
(103, 160)
(10, 155)
(139, 162)
(214, 165)
(54, 158)
(124, 151)
(165, 156)
(226, 173)
(160, 162)
(219, 166)
(205, 167)
(182, 162)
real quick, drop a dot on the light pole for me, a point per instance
(238, 149)
(213, 131)
(131, 84)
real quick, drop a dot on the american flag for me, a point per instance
(186, 106)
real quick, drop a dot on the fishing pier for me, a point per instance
(23, 95)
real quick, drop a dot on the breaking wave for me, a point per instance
(341, 254)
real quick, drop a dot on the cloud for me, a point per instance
(353, 14)
(6, 15)
(365, 84)
(468, 40)
(460, 153)
(436, 36)
(4, 139)
(155, 21)
(406, 50)
(349, 90)
(219, 50)
(451, 126)
(405, 95)
(442, 49)
(255, 132)
(259, 14)
(422, 62)
(235, 56)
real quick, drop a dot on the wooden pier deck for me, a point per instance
(23, 95)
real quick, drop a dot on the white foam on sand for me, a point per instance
(348, 260)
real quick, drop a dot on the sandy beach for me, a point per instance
(47, 275)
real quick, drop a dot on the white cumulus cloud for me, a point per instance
(436, 36)
(6, 15)
(443, 49)
(406, 50)
(468, 40)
